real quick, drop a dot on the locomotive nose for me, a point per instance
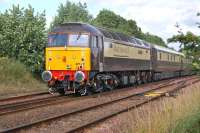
(46, 76)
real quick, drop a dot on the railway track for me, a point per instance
(8, 108)
(31, 104)
(23, 98)
(116, 106)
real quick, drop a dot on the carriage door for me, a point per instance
(153, 58)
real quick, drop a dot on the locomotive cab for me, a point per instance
(71, 49)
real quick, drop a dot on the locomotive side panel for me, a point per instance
(119, 57)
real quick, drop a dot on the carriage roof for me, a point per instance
(160, 48)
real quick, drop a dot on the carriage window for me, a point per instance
(168, 57)
(78, 40)
(139, 51)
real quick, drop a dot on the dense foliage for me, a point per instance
(154, 39)
(23, 36)
(72, 12)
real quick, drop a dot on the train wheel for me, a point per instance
(110, 85)
(52, 91)
(84, 91)
(61, 91)
(99, 86)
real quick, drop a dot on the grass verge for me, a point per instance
(16, 79)
(189, 124)
(180, 114)
(171, 115)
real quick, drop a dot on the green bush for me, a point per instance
(23, 36)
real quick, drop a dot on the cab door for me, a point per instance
(101, 51)
(97, 52)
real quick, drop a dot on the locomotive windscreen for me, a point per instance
(78, 40)
(57, 39)
(64, 39)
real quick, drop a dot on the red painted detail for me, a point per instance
(60, 74)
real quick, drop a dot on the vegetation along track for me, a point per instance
(31, 101)
(86, 116)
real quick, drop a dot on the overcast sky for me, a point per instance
(155, 16)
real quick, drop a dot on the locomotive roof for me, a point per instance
(124, 38)
(77, 27)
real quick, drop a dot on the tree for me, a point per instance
(23, 36)
(72, 12)
(190, 43)
(154, 39)
(108, 19)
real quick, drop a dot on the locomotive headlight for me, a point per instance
(46, 76)
(79, 76)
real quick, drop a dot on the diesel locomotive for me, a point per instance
(84, 59)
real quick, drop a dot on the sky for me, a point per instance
(158, 17)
